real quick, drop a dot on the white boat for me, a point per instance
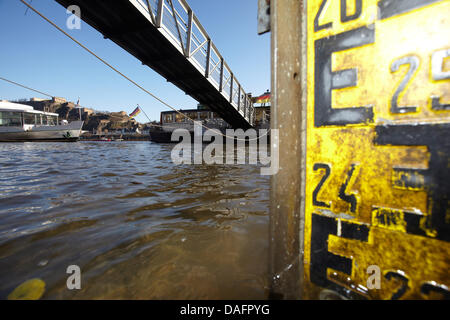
(19, 122)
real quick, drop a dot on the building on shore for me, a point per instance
(261, 105)
(262, 117)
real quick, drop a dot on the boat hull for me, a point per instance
(67, 133)
(165, 137)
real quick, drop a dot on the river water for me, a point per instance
(138, 226)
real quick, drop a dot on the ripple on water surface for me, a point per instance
(138, 226)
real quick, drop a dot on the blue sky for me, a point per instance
(37, 55)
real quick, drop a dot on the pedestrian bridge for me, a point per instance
(167, 36)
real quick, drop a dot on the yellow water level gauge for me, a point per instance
(378, 126)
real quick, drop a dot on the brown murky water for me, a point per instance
(138, 226)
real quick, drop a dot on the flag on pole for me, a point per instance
(135, 112)
(263, 99)
(79, 108)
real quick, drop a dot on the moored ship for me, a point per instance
(21, 123)
(172, 120)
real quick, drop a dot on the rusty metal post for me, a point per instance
(288, 115)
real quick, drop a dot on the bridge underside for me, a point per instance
(121, 22)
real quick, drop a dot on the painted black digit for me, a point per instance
(326, 80)
(426, 288)
(318, 166)
(318, 26)
(436, 177)
(397, 295)
(437, 65)
(437, 105)
(356, 15)
(350, 198)
(413, 63)
(390, 8)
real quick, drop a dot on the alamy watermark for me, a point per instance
(374, 279)
(73, 22)
(229, 148)
(74, 280)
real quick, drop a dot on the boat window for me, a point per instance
(192, 115)
(51, 120)
(204, 115)
(29, 118)
(10, 119)
(179, 117)
(168, 118)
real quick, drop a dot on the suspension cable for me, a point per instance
(21, 85)
(51, 96)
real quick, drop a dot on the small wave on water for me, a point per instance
(138, 226)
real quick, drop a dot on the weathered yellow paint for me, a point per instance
(29, 290)
(421, 259)
(400, 177)
(378, 188)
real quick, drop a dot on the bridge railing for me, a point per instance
(176, 20)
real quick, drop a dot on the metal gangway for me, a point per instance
(167, 36)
